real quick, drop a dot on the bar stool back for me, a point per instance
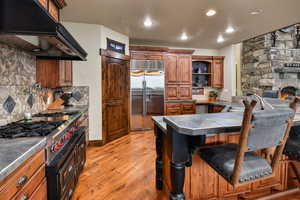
(265, 129)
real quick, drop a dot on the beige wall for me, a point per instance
(108, 33)
(230, 72)
(92, 37)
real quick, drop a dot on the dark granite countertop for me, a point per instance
(13, 152)
(214, 123)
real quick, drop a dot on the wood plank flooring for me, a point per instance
(124, 170)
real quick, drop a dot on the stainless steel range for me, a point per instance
(65, 133)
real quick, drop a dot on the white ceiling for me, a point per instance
(172, 17)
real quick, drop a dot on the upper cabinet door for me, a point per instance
(218, 73)
(184, 69)
(171, 69)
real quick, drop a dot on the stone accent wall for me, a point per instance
(263, 66)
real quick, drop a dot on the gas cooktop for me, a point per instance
(29, 129)
(56, 114)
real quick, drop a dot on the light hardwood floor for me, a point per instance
(123, 170)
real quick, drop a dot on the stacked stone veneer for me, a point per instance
(263, 66)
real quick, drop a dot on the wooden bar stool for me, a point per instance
(238, 163)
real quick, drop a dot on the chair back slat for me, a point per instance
(268, 129)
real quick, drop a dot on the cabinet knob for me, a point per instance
(24, 197)
(22, 180)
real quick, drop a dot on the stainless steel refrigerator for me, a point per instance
(147, 92)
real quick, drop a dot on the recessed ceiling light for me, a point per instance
(256, 12)
(148, 22)
(184, 36)
(230, 29)
(210, 13)
(220, 39)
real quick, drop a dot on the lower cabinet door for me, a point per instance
(173, 109)
(171, 92)
(185, 92)
(188, 108)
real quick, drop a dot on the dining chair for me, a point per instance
(261, 130)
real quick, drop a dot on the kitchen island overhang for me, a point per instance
(178, 138)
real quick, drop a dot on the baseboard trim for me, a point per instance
(95, 143)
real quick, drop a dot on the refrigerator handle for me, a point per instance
(144, 97)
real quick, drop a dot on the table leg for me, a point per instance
(180, 155)
(177, 179)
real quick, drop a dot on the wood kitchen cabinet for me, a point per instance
(178, 92)
(180, 108)
(218, 72)
(178, 69)
(53, 7)
(146, 55)
(178, 78)
(54, 73)
(28, 181)
(207, 72)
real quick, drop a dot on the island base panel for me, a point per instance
(202, 182)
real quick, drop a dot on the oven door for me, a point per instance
(64, 170)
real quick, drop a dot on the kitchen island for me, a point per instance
(182, 174)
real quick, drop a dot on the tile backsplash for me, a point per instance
(20, 95)
(17, 67)
(17, 77)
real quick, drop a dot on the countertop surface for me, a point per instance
(13, 152)
(213, 123)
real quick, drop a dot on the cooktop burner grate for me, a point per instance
(55, 114)
(29, 129)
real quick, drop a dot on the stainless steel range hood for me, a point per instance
(26, 24)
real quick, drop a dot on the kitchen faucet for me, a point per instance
(264, 105)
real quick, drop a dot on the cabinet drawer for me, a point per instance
(53, 10)
(41, 192)
(22, 175)
(32, 185)
(173, 105)
(146, 56)
(188, 108)
(173, 111)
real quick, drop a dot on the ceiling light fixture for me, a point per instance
(148, 22)
(256, 12)
(184, 36)
(230, 29)
(210, 13)
(220, 39)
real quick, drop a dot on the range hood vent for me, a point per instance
(27, 25)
